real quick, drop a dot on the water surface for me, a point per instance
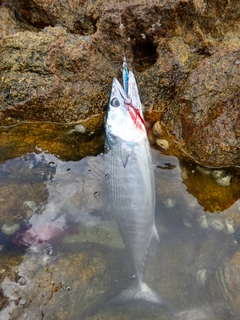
(61, 253)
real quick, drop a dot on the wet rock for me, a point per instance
(42, 83)
(209, 110)
(80, 18)
(62, 140)
(39, 289)
(13, 209)
(105, 233)
(224, 283)
(58, 61)
(216, 190)
(10, 24)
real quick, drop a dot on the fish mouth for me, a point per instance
(116, 85)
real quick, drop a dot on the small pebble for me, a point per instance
(162, 143)
(224, 181)
(10, 229)
(66, 287)
(203, 221)
(229, 226)
(169, 203)
(216, 224)
(222, 178)
(184, 174)
(217, 173)
(201, 276)
(30, 204)
(80, 128)
(157, 129)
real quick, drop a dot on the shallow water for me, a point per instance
(71, 262)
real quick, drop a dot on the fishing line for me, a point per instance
(125, 65)
(121, 32)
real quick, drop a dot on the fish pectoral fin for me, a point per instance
(125, 153)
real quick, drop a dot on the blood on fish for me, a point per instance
(136, 116)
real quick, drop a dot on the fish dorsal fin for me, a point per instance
(125, 153)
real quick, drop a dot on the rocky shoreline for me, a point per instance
(58, 59)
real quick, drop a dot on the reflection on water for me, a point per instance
(62, 256)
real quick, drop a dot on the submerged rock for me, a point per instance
(37, 287)
(215, 190)
(224, 283)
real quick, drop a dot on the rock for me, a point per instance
(59, 58)
(13, 210)
(10, 24)
(79, 18)
(105, 233)
(48, 288)
(10, 229)
(38, 83)
(60, 139)
(210, 110)
(216, 190)
(224, 283)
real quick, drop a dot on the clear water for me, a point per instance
(72, 261)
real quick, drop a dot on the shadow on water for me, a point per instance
(61, 253)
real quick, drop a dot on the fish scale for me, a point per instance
(135, 229)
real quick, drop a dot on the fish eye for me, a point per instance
(115, 102)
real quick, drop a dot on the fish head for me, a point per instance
(124, 121)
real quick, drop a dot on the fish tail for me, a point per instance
(140, 292)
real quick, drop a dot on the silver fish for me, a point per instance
(131, 179)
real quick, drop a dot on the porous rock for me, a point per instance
(59, 58)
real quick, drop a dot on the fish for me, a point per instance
(131, 180)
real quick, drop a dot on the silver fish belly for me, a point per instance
(132, 192)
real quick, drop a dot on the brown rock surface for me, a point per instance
(59, 58)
